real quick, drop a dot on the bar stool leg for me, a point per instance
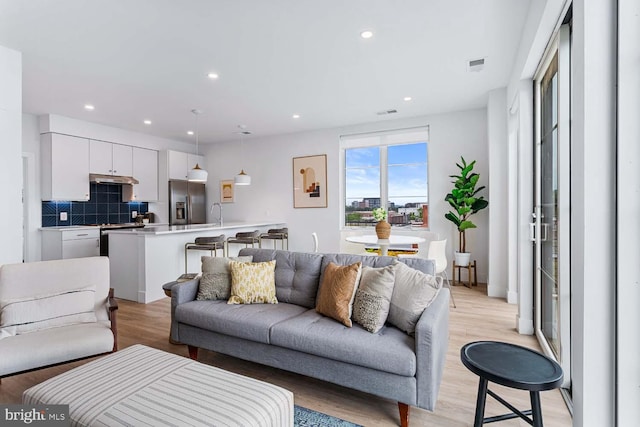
(536, 411)
(480, 402)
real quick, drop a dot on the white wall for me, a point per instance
(269, 162)
(498, 180)
(10, 156)
(628, 315)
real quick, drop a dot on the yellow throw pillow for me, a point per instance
(337, 291)
(253, 283)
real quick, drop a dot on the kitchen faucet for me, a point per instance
(219, 221)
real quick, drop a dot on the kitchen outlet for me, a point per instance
(134, 214)
(63, 216)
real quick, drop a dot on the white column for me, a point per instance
(593, 216)
(11, 155)
(498, 192)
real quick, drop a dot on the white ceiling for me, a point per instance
(149, 59)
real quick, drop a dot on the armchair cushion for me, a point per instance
(44, 311)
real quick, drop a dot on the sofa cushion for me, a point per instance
(412, 293)
(215, 282)
(337, 291)
(297, 274)
(49, 310)
(373, 297)
(389, 350)
(251, 321)
(253, 283)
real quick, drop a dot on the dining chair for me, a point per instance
(437, 252)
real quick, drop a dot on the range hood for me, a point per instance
(112, 179)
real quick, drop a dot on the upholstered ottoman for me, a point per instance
(142, 386)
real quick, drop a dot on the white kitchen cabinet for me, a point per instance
(72, 242)
(106, 158)
(145, 170)
(65, 167)
(180, 163)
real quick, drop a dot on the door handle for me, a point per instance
(544, 231)
(532, 231)
(188, 213)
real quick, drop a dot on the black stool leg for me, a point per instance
(536, 411)
(482, 399)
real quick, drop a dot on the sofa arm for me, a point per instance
(432, 339)
(181, 292)
(112, 304)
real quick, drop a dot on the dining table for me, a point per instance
(394, 239)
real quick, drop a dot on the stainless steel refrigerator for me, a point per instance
(187, 203)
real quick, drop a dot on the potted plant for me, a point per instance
(465, 202)
(383, 229)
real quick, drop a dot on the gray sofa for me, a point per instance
(292, 336)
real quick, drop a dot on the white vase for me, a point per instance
(462, 258)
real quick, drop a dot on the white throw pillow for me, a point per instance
(412, 293)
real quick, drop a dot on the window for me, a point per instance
(386, 170)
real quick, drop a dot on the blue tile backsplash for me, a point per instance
(105, 206)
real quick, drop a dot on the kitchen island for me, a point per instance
(144, 259)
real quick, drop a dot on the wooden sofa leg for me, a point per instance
(193, 352)
(404, 414)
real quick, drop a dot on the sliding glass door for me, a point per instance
(550, 226)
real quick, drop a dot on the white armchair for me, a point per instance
(53, 312)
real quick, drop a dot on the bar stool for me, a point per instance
(245, 238)
(276, 234)
(212, 244)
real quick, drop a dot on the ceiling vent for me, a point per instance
(476, 65)
(385, 112)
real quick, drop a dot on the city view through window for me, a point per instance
(391, 176)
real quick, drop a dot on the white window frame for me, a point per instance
(382, 139)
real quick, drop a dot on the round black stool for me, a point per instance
(512, 366)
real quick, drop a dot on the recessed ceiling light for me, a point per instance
(147, 122)
(189, 132)
(89, 107)
(366, 34)
(296, 116)
(407, 98)
(213, 76)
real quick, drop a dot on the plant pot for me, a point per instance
(383, 230)
(462, 258)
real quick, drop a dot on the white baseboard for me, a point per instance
(496, 291)
(524, 326)
(512, 297)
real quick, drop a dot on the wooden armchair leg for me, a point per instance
(113, 306)
(193, 352)
(404, 414)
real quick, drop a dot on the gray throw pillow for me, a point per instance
(412, 293)
(373, 297)
(215, 283)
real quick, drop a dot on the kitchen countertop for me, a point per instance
(151, 229)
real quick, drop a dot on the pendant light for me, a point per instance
(197, 174)
(242, 178)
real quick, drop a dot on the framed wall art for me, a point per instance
(310, 181)
(226, 191)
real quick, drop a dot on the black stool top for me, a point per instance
(511, 365)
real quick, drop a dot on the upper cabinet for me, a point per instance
(65, 167)
(145, 170)
(180, 163)
(111, 159)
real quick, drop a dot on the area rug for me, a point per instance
(309, 418)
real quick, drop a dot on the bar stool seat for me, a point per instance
(212, 244)
(276, 234)
(245, 238)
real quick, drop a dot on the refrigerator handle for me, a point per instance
(188, 216)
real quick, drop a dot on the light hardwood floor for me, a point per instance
(477, 317)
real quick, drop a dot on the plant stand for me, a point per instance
(469, 268)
